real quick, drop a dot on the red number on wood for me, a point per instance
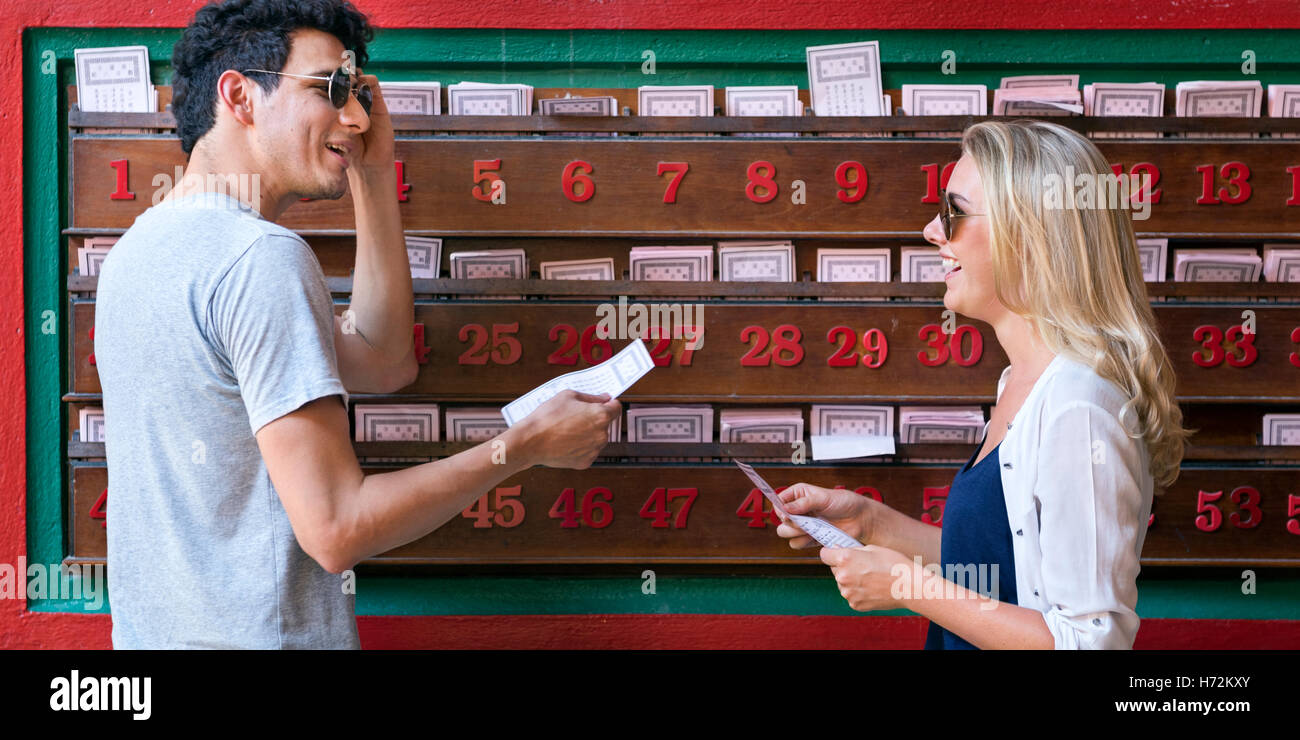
(99, 510)
(1292, 511)
(873, 342)
(472, 355)
(857, 184)
(1148, 191)
(1294, 200)
(566, 354)
(757, 180)
(402, 185)
(503, 500)
(1205, 505)
(658, 507)
(935, 180)
(1250, 506)
(1212, 338)
(120, 192)
(565, 508)
(485, 178)
(1295, 356)
(421, 351)
(932, 498)
(576, 173)
(506, 349)
(757, 510)
(755, 357)
(1238, 176)
(596, 500)
(679, 173)
(786, 350)
(844, 356)
(938, 341)
(591, 343)
(942, 345)
(876, 348)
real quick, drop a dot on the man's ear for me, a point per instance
(237, 95)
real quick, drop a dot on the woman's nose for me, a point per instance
(933, 232)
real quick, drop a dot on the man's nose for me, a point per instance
(353, 115)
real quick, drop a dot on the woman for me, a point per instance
(1053, 506)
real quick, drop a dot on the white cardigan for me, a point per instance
(1078, 494)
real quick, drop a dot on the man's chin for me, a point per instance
(333, 192)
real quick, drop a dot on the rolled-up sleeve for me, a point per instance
(1090, 486)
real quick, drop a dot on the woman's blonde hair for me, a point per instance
(1074, 272)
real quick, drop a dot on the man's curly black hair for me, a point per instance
(249, 34)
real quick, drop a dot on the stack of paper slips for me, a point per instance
(772, 100)
(91, 253)
(853, 266)
(1145, 99)
(509, 264)
(756, 261)
(1213, 98)
(412, 98)
(1282, 263)
(488, 99)
(850, 431)
(691, 423)
(1217, 265)
(920, 265)
(766, 425)
(675, 100)
(1284, 102)
(425, 255)
(940, 424)
(115, 79)
(379, 422)
(474, 424)
(844, 79)
(944, 100)
(1038, 95)
(1153, 255)
(1281, 429)
(91, 424)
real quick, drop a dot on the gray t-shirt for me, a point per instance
(210, 322)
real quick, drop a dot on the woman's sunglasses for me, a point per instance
(340, 86)
(946, 214)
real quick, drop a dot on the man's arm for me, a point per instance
(379, 355)
(341, 517)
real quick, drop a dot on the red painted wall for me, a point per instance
(19, 628)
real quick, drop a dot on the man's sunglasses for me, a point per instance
(946, 214)
(340, 86)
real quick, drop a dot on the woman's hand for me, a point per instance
(851, 512)
(867, 575)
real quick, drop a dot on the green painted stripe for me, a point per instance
(1277, 596)
(608, 59)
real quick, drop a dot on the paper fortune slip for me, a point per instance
(819, 529)
(612, 376)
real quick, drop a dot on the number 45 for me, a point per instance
(502, 500)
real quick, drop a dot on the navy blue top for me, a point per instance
(975, 531)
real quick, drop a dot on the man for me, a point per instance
(236, 497)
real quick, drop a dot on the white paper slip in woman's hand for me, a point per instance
(819, 529)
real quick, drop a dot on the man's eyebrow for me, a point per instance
(321, 73)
